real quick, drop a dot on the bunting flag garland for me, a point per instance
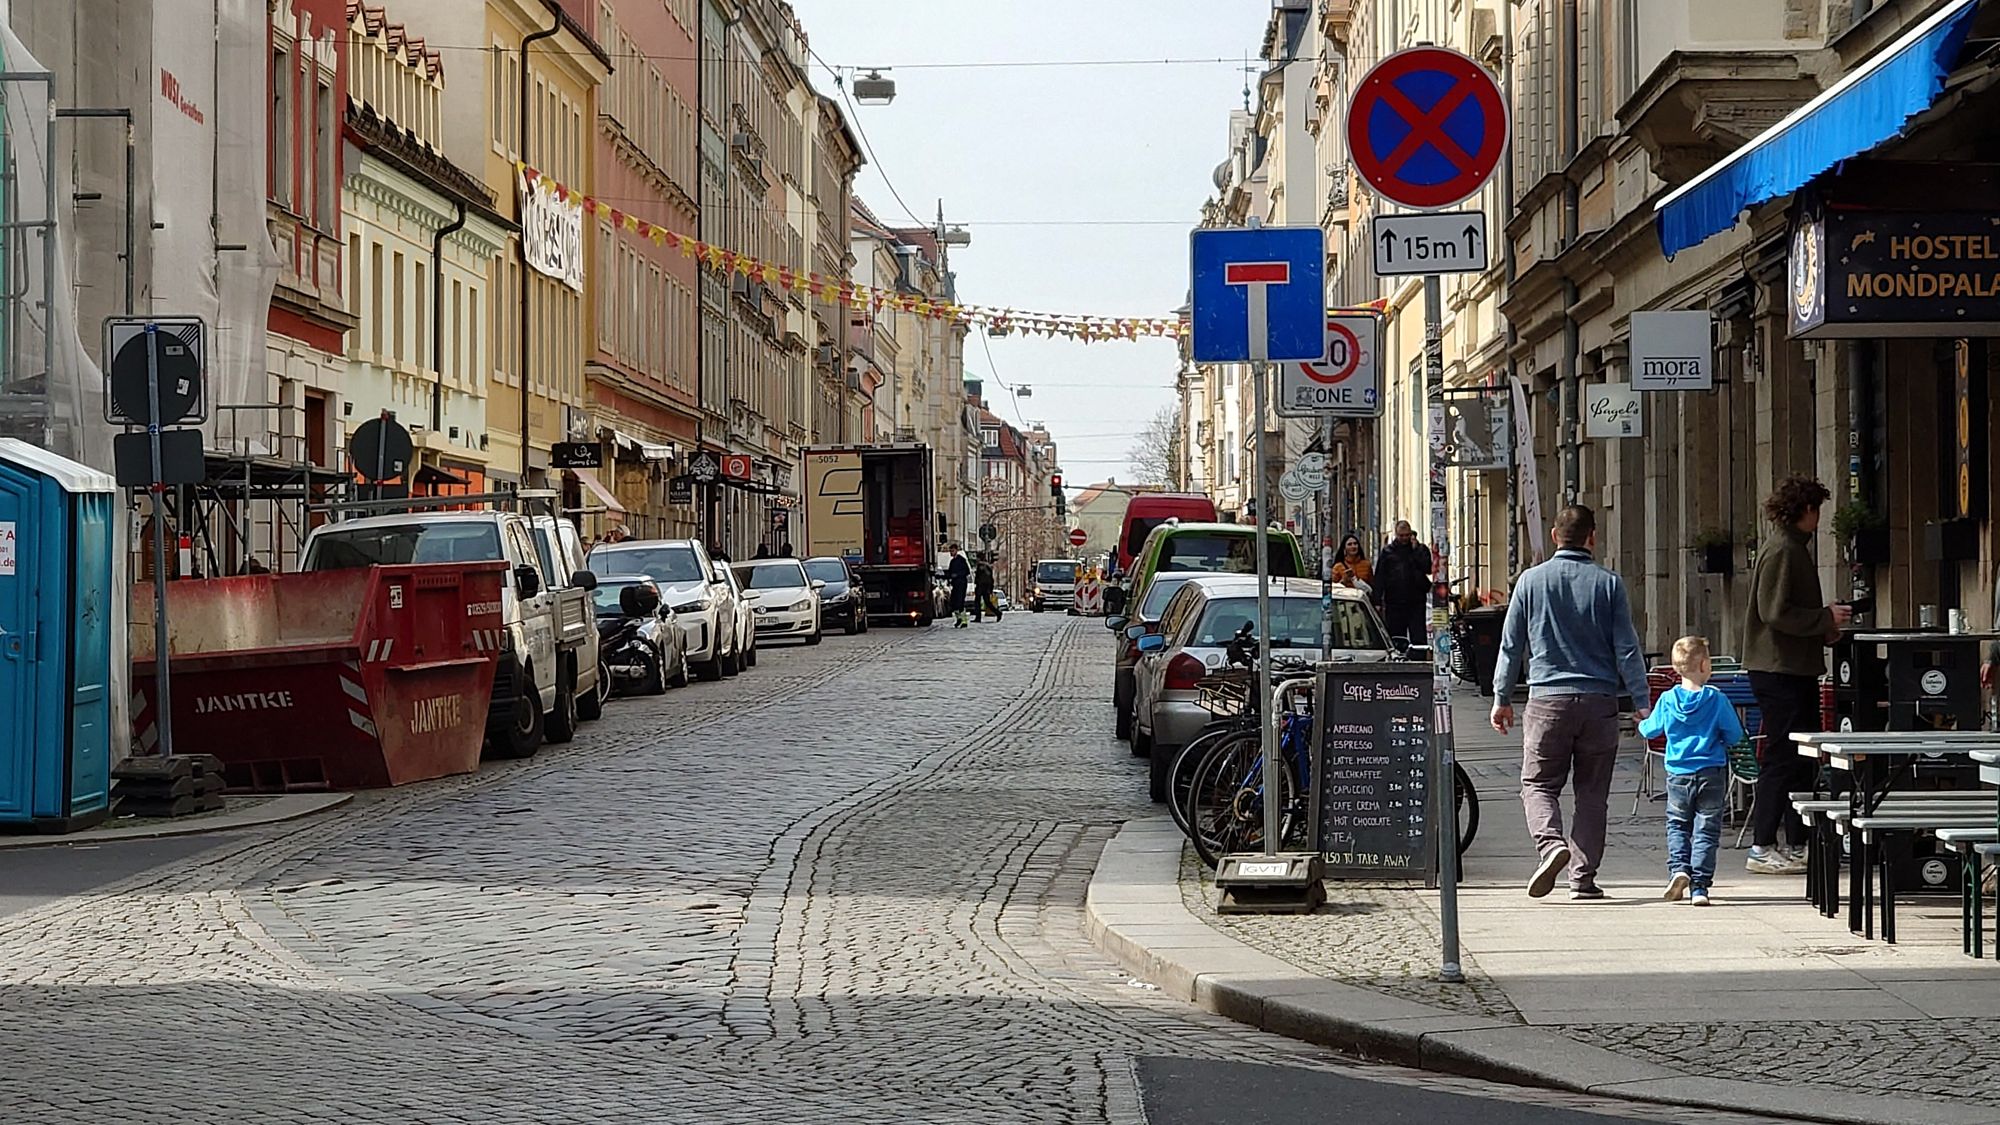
(843, 291)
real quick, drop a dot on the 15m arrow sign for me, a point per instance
(1430, 242)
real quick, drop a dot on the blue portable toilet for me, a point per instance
(56, 600)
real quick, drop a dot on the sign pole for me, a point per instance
(1444, 785)
(162, 678)
(1260, 372)
(1329, 551)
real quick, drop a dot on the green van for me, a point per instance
(1188, 548)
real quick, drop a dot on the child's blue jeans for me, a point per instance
(1694, 822)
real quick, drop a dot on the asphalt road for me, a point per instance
(30, 877)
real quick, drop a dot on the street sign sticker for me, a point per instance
(1430, 242)
(1427, 127)
(1344, 381)
(1241, 276)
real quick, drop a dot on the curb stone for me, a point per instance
(271, 810)
(1134, 912)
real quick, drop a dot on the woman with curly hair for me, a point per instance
(1784, 641)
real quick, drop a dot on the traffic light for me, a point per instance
(1056, 490)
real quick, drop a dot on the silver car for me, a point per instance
(1200, 620)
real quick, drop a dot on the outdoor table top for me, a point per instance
(1921, 636)
(1842, 747)
(1986, 757)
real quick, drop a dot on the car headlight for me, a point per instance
(695, 606)
(800, 606)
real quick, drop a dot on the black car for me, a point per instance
(844, 601)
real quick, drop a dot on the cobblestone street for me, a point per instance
(846, 886)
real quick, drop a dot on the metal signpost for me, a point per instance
(1427, 127)
(1345, 382)
(1259, 295)
(142, 354)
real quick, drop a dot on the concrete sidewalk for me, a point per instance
(1756, 1003)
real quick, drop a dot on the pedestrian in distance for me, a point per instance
(1403, 586)
(983, 601)
(1351, 567)
(763, 552)
(1784, 650)
(785, 552)
(1700, 725)
(957, 572)
(1570, 626)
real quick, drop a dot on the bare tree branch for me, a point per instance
(1155, 451)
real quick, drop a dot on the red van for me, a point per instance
(1149, 510)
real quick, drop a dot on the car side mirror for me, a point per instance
(1134, 632)
(583, 580)
(1152, 642)
(1115, 622)
(527, 583)
(819, 583)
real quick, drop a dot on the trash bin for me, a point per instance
(1482, 642)
(339, 679)
(55, 640)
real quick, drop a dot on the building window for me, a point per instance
(375, 300)
(281, 126)
(354, 274)
(401, 298)
(326, 148)
(457, 328)
(423, 356)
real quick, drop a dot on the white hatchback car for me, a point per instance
(703, 601)
(783, 597)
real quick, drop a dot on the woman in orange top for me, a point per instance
(1350, 565)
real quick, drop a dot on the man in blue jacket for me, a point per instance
(1571, 624)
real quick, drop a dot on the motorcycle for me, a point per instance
(634, 646)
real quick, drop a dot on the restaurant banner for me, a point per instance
(1893, 273)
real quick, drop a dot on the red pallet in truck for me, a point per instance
(343, 679)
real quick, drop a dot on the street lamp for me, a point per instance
(873, 89)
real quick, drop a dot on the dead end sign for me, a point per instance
(1344, 382)
(1427, 127)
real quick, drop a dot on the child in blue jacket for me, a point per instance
(1700, 726)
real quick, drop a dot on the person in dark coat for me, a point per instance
(983, 601)
(1403, 586)
(958, 572)
(763, 552)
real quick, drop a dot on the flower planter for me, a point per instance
(1871, 546)
(1717, 559)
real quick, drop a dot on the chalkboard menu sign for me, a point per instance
(1372, 769)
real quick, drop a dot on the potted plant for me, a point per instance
(1862, 533)
(1716, 550)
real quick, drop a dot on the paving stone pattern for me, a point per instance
(846, 886)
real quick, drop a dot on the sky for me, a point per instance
(1039, 162)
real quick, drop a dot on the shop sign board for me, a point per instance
(1672, 351)
(1893, 273)
(1614, 412)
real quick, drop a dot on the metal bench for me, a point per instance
(1973, 846)
(1911, 813)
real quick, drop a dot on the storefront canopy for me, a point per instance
(1862, 110)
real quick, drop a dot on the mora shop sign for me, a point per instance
(1894, 273)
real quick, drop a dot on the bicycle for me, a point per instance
(1216, 790)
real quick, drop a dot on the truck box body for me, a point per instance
(872, 505)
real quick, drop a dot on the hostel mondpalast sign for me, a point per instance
(1894, 273)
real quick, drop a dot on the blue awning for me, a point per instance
(1854, 115)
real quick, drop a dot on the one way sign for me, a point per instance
(1430, 242)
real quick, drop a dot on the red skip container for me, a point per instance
(341, 679)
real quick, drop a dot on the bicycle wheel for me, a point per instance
(1468, 806)
(1229, 800)
(1180, 775)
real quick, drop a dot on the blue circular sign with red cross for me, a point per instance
(1427, 126)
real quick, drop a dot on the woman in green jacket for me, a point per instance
(1784, 650)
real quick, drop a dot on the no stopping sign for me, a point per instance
(1345, 382)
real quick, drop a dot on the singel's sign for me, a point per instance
(552, 231)
(1894, 273)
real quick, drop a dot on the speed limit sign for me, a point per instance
(1345, 382)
